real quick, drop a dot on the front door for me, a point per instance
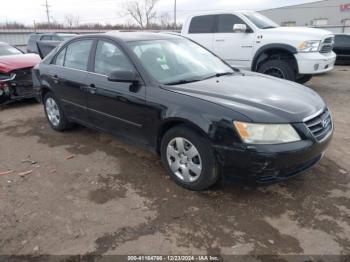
(115, 107)
(236, 48)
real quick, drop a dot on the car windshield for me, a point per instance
(65, 37)
(178, 61)
(260, 21)
(9, 50)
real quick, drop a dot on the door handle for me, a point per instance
(220, 40)
(92, 89)
(55, 79)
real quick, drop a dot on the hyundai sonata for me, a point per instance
(203, 117)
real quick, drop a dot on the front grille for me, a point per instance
(327, 45)
(321, 125)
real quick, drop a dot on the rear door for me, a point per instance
(201, 30)
(69, 78)
(236, 48)
(115, 107)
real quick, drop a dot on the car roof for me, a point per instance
(220, 12)
(134, 36)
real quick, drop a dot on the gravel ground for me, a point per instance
(90, 193)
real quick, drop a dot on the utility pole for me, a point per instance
(175, 15)
(47, 7)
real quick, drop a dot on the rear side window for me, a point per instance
(202, 24)
(77, 55)
(46, 37)
(55, 38)
(226, 22)
(110, 58)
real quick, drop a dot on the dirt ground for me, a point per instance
(91, 193)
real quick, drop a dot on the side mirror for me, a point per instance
(124, 77)
(239, 28)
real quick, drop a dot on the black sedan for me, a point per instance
(173, 96)
(342, 48)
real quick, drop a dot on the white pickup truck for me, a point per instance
(251, 41)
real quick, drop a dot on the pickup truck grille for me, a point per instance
(327, 45)
(320, 125)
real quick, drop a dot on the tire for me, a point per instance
(37, 100)
(304, 78)
(278, 68)
(60, 122)
(201, 167)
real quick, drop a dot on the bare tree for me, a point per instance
(71, 20)
(164, 20)
(142, 11)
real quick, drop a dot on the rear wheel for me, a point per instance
(278, 68)
(54, 113)
(189, 159)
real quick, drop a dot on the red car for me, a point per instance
(15, 73)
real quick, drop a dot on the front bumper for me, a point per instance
(11, 93)
(315, 62)
(270, 163)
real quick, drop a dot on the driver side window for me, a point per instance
(110, 58)
(226, 22)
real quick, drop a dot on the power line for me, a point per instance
(175, 9)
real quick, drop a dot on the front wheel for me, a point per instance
(278, 68)
(304, 78)
(189, 159)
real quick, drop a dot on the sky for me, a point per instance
(111, 11)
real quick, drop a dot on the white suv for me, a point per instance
(250, 40)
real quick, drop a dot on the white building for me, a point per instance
(333, 15)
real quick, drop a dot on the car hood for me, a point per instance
(304, 32)
(13, 62)
(259, 97)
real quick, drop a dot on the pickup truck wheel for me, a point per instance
(189, 159)
(304, 78)
(278, 68)
(54, 113)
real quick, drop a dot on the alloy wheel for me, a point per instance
(52, 111)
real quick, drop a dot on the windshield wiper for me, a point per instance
(268, 27)
(181, 82)
(184, 81)
(219, 74)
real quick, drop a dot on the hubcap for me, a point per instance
(274, 71)
(52, 111)
(184, 159)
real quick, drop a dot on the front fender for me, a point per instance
(269, 47)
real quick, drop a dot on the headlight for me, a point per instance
(6, 77)
(309, 46)
(266, 133)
